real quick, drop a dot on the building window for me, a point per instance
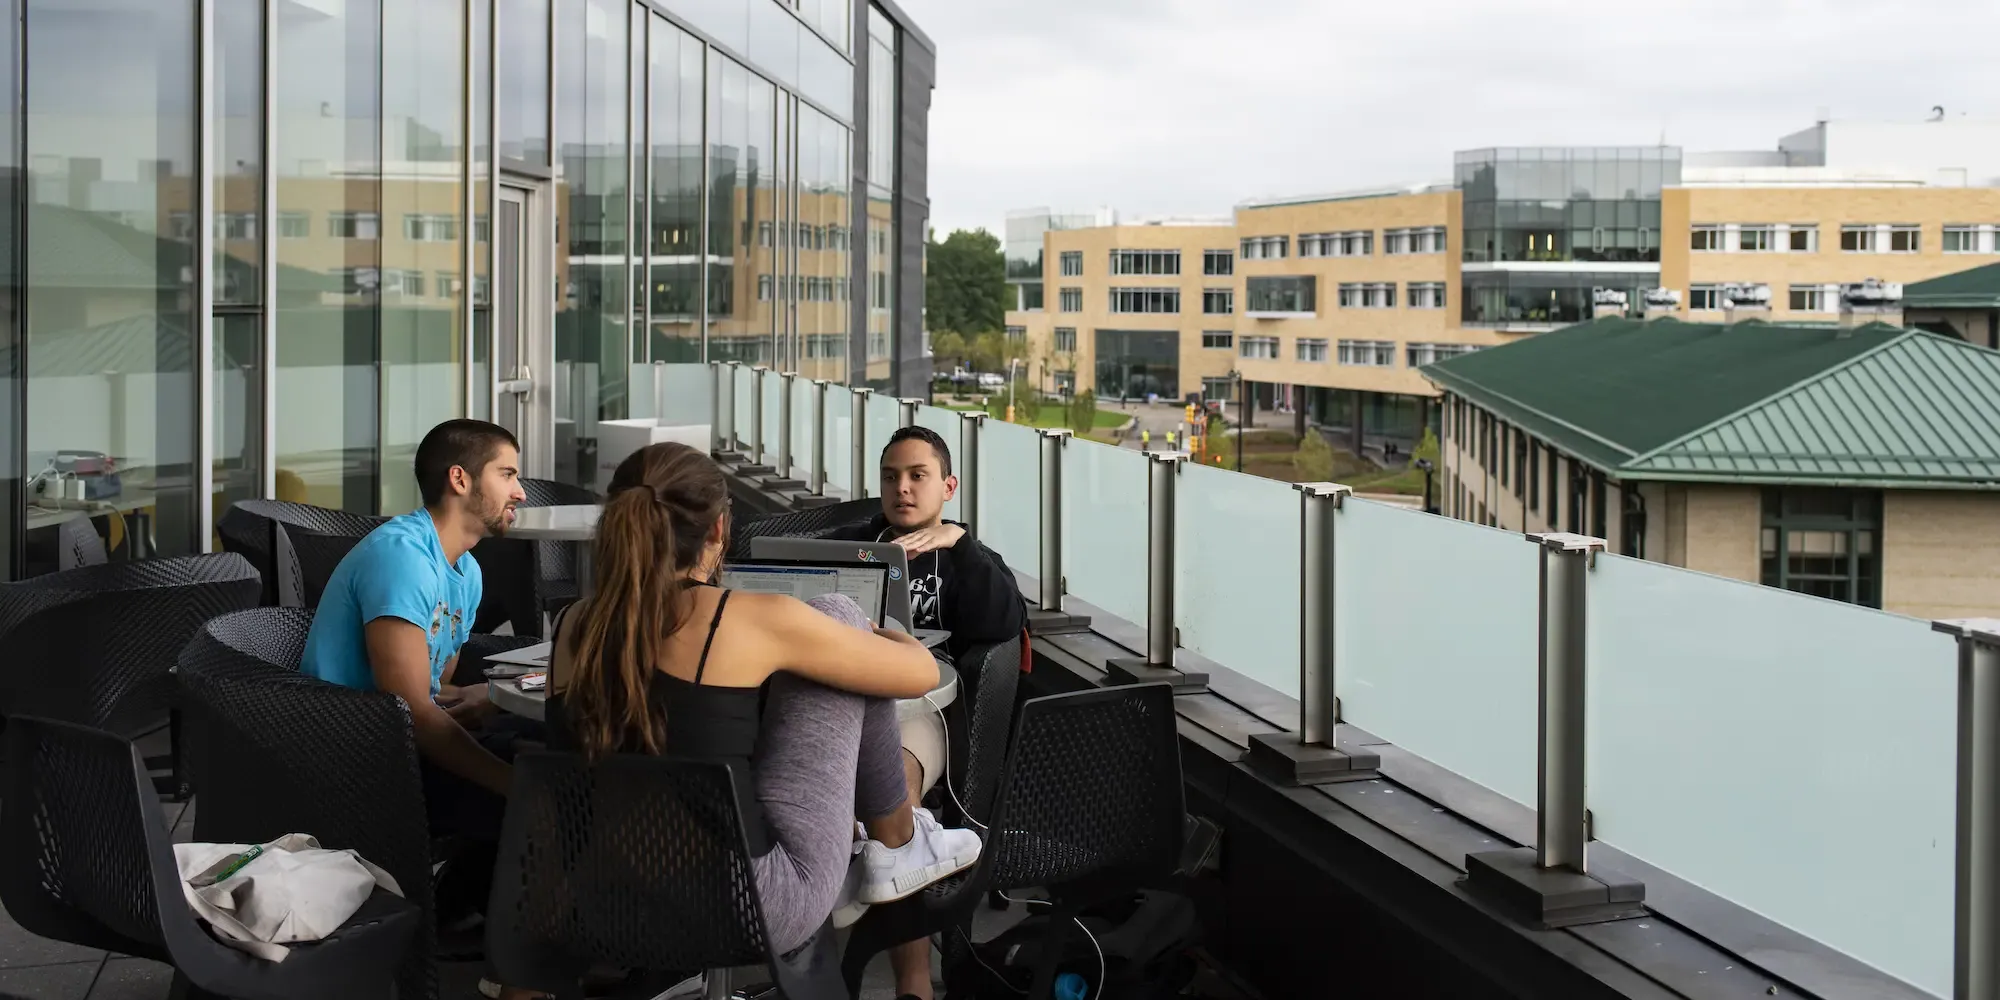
(1218, 339)
(1704, 297)
(1802, 237)
(1368, 353)
(397, 281)
(1072, 263)
(764, 288)
(1145, 300)
(1368, 295)
(1757, 239)
(1145, 262)
(430, 228)
(294, 226)
(1814, 298)
(1218, 263)
(1017, 334)
(1290, 295)
(1355, 243)
(1423, 354)
(1823, 542)
(1427, 295)
(1065, 338)
(1706, 239)
(1880, 239)
(1265, 247)
(1219, 388)
(1218, 301)
(1260, 348)
(355, 225)
(1071, 300)
(1427, 239)
(1311, 349)
(1971, 239)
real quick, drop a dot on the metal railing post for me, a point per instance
(816, 472)
(907, 412)
(1050, 598)
(784, 463)
(717, 376)
(1976, 919)
(1542, 882)
(756, 440)
(1314, 755)
(859, 460)
(1163, 470)
(970, 426)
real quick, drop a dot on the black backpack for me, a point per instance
(1146, 940)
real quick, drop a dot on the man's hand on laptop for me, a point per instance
(922, 540)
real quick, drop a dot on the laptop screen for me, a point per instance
(868, 585)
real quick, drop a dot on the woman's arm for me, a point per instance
(838, 655)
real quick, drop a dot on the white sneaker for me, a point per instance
(889, 874)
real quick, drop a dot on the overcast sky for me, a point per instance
(1186, 107)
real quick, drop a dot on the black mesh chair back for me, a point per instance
(990, 676)
(813, 522)
(78, 544)
(272, 751)
(317, 556)
(96, 645)
(636, 862)
(551, 493)
(87, 861)
(249, 527)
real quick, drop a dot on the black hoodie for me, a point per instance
(965, 589)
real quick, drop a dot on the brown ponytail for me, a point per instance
(664, 501)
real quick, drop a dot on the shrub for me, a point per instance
(1313, 462)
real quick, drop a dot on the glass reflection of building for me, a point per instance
(1537, 220)
(281, 300)
(1023, 248)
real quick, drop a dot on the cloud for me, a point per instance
(1189, 106)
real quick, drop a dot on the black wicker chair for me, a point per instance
(78, 544)
(524, 579)
(1089, 806)
(635, 862)
(813, 522)
(87, 861)
(316, 555)
(96, 646)
(250, 527)
(272, 751)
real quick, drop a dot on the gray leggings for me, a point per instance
(824, 758)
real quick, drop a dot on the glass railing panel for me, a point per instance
(885, 414)
(839, 432)
(1791, 754)
(745, 399)
(1435, 626)
(674, 394)
(774, 401)
(644, 396)
(804, 427)
(949, 426)
(1236, 595)
(1104, 500)
(1010, 494)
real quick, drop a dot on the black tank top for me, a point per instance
(703, 722)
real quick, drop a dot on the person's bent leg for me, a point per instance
(923, 750)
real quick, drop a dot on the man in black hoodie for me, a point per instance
(956, 584)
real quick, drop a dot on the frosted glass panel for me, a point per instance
(803, 429)
(1010, 494)
(949, 426)
(745, 403)
(885, 414)
(1104, 527)
(1237, 588)
(840, 439)
(1436, 640)
(774, 389)
(640, 385)
(681, 394)
(1791, 754)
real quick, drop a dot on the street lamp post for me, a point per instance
(1428, 467)
(1242, 417)
(1011, 362)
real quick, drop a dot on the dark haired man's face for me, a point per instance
(914, 487)
(496, 492)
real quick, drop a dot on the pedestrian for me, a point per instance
(1145, 440)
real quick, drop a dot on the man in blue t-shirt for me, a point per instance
(401, 604)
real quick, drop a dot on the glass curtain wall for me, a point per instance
(237, 414)
(423, 198)
(591, 345)
(674, 114)
(1562, 204)
(882, 107)
(110, 301)
(823, 307)
(741, 230)
(11, 261)
(480, 403)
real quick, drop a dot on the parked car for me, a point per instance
(991, 380)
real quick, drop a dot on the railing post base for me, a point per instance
(1553, 897)
(1042, 622)
(1138, 670)
(1284, 758)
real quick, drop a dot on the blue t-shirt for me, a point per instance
(398, 571)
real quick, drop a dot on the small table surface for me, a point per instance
(565, 523)
(507, 694)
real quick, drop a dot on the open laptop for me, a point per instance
(808, 578)
(887, 554)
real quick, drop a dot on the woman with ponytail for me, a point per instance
(796, 697)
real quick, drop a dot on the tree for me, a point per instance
(1027, 403)
(965, 283)
(987, 352)
(947, 345)
(1426, 449)
(1081, 412)
(1313, 462)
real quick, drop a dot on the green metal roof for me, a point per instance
(1749, 402)
(1978, 288)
